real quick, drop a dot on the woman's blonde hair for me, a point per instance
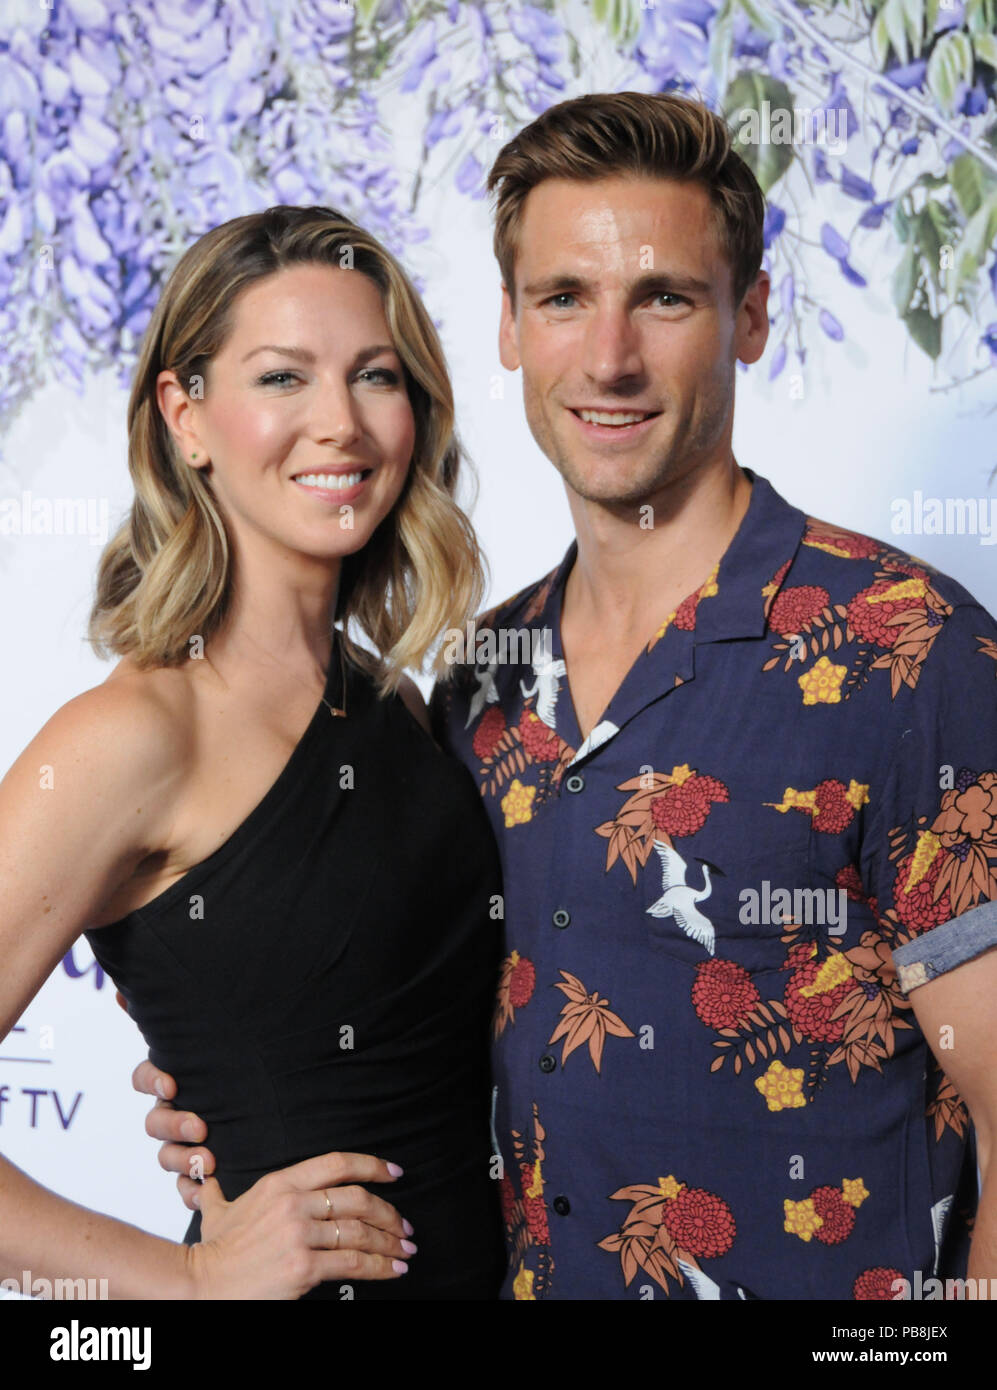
(165, 575)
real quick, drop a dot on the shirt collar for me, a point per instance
(750, 572)
(768, 537)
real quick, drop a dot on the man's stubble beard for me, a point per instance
(690, 442)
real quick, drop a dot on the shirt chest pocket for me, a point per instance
(735, 888)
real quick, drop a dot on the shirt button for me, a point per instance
(575, 782)
(561, 917)
(547, 1062)
(562, 1206)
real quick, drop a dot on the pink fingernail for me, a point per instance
(399, 1266)
(394, 1170)
(407, 1227)
(408, 1246)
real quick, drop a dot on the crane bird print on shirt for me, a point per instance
(678, 899)
(485, 691)
(546, 685)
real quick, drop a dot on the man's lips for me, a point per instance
(613, 424)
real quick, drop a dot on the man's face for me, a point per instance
(624, 305)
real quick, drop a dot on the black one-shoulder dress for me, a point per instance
(324, 981)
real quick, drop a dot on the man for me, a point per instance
(743, 786)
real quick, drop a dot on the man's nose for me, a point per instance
(612, 345)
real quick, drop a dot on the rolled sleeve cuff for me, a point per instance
(945, 947)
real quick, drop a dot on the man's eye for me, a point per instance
(272, 378)
(667, 294)
(565, 294)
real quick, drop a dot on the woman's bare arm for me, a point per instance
(79, 809)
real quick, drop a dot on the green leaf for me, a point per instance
(930, 17)
(721, 37)
(914, 15)
(366, 10)
(977, 239)
(950, 64)
(985, 48)
(970, 182)
(765, 23)
(894, 19)
(980, 16)
(901, 221)
(905, 278)
(926, 330)
(930, 239)
(880, 41)
(767, 159)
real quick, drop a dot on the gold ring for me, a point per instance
(328, 1205)
(336, 1224)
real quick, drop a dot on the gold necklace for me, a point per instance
(338, 713)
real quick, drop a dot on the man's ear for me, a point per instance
(508, 337)
(753, 320)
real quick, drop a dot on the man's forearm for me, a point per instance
(983, 1252)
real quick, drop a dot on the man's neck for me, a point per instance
(628, 577)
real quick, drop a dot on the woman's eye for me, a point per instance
(273, 378)
(382, 374)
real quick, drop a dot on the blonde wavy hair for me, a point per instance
(166, 573)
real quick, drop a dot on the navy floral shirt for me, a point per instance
(709, 1080)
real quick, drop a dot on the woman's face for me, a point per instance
(305, 416)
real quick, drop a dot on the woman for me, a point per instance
(249, 819)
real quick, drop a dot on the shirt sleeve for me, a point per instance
(932, 841)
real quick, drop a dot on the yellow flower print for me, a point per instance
(821, 685)
(670, 1187)
(907, 588)
(835, 970)
(928, 845)
(792, 800)
(857, 794)
(782, 1087)
(854, 1191)
(536, 1187)
(517, 804)
(522, 1285)
(681, 774)
(801, 1218)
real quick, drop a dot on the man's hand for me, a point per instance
(180, 1130)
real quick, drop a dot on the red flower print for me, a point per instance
(685, 614)
(845, 543)
(490, 729)
(540, 742)
(521, 982)
(834, 810)
(507, 1196)
(810, 1007)
(869, 618)
(875, 1283)
(917, 909)
(794, 609)
(722, 993)
(837, 1214)
(699, 1222)
(682, 809)
(534, 1207)
(848, 878)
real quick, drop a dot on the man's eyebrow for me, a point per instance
(305, 355)
(658, 281)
